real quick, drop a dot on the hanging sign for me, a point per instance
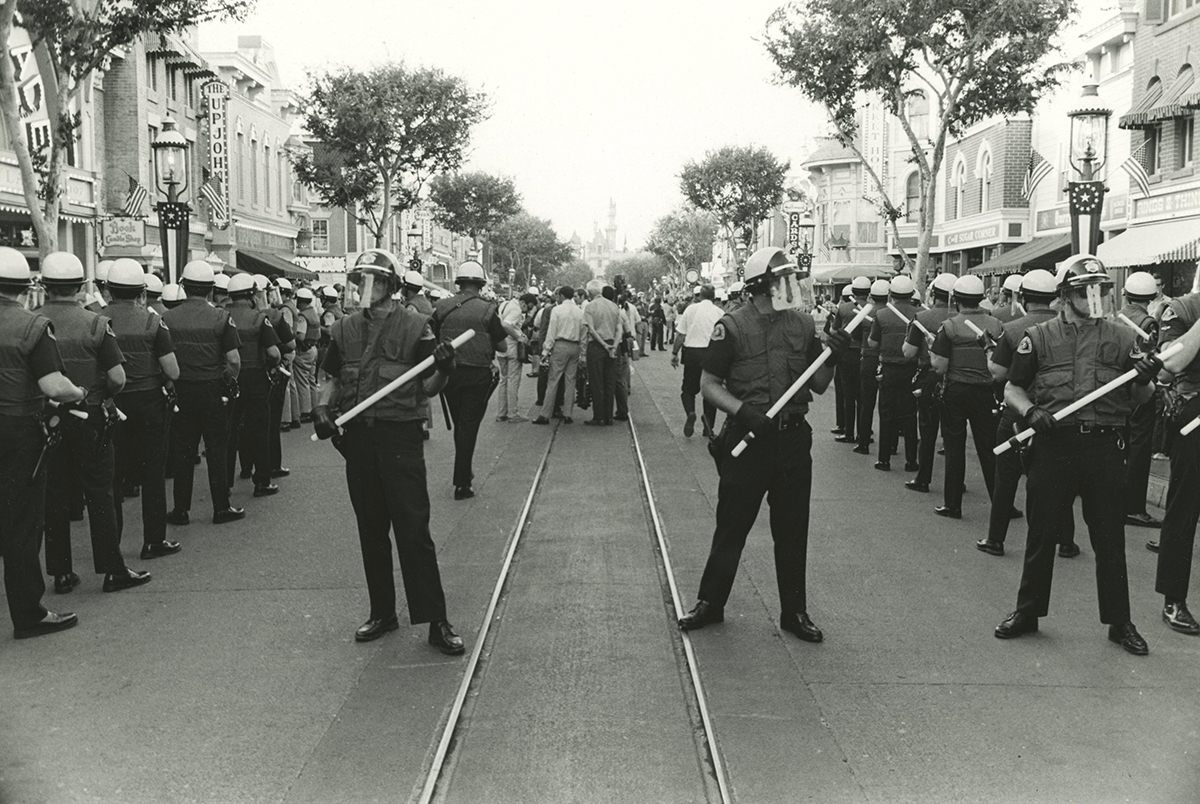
(216, 96)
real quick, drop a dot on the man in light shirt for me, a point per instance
(512, 316)
(563, 335)
(603, 325)
(625, 355)
(692, 331)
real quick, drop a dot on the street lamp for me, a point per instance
(804, 259)
(171, 170)
(415, 236)
(1088, 153)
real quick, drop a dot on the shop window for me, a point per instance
(253, 173)
(1185, 128)
(267, 176)
(960, 188)
(1151, 154)
(1175, 8)
(241, 163)
(151, 74)
(868, 232)
(173, 84)
(918, 115)
(985, 182)
(152, 133)
(320, 236)
(912, 198)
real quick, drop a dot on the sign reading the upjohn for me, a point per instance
(216, 97)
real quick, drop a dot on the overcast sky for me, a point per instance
(589, 100)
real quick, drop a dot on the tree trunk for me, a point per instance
(385, 214)
(56, 91)
(47, 235)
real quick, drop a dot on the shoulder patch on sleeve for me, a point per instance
(1025, 347)
(1169, 314)
(427, 333)
(108, 330)
(718, 333)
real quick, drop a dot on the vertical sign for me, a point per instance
(216, 96)
(793, 232)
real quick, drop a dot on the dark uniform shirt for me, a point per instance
(889, 331)
(1177, 318)
(932, 320)
(957, 342)
(203, 334)
(457, 314)
(842, 318)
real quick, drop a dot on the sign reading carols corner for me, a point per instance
(216, 96)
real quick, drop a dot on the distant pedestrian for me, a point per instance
(692, 332)
(563, 336)
(603, 326)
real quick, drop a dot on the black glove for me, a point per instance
(752, 420)
(1147, 369)
(1040, 419)
(443, 357)
(323, 422)
(986, 341)
(230, 389)
(838, 342)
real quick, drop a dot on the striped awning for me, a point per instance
(1153, 243)
(1174, 101)
(1040, 252)
(1138, 116)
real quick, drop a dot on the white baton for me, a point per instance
(1083, 402)
(1190, 426)
(802, 379)
(1141, 332)
(403, 379)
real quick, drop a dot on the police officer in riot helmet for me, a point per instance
(413, 290)
(897, 407)
(755, 354)
(927, 383)
(270, 297)
(384, 446)
(1055, 363)
(140, 442)
(1140, 290)
(84, 460)
(868, 370)
(259, 353)
(206, 345)
(848, 365)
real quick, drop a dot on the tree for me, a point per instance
(738, 186)
(684, 238)
(383, 134)
(639, 270)
(472, 204)
(529, 246)
(969, 59)
(575, 273)
(73, 40)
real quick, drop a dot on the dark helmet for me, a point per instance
(1081, 271)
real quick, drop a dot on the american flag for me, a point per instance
(136, 198)
(1038, 169)
(217, 209)
(1137, 173)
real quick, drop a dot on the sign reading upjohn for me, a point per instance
(216, 96)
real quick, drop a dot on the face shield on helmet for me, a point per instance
(1085, 285)
(789, 290)
(374, 273)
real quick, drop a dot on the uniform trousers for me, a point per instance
(1067, 464)
(564, 363)
(838, 409)
(929, 420)
(1009, 468)
(140, 446)
(967, 404)
(202, 414)
(623, 377)
(291, 396)
(467, 393)
(385, 473)
(656, 336)
(248, 426)
(85, 458)
(22, 506)
(304, 372)
(693, 370)
(847, 370)
(779, 465)
(510, 384)
(1178, 537)
(275, 397)
(602, 377)
(897, 411)
(868, 387)
(1138, 456)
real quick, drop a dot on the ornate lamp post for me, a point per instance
(1089, 151)
(415, 236)
(171, 171)
(804, 259)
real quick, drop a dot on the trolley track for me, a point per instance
(437, 782)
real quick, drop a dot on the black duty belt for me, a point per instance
(1090, 428)
(790, 420)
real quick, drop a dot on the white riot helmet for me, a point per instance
(1141, 286)
(901, 287)
(304, 295)
(283, 285)
(154, 286)
(413, 280)
(329, 293)
(62, 268)
(198, 272)
(240, 284)
(221, 282)
(771, 266)
(847, 293)
(261, 283)
(943, 285)
(880, 289)
(14, 270)
(969, 289)
(126, 274)
(102, 269)
(1039, 285)
(1012, 283)
(861, 286)
(470, 271)
(172, 294)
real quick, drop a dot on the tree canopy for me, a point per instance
(72, 41)
(473, 203)
(385, 132)
(684, 238)
(575, 273)
(737, 185)
(640, 270)
(528, 245)
(969, 59)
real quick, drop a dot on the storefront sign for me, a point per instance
(1169, 204)
(216, 96)
(265, 241)
(1115, 208)
(972, 235)
(793, 232)
(124, 232)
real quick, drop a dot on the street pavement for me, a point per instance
(233, 676)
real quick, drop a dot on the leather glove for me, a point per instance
(838, 342)
(323, 422)
(1147, 369)
(443, 357)
(1040, 419)
(752, 420)
(230, 389)
(986, 341)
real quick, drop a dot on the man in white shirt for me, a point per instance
(692, 330)
(626, 353)
(512, 317)
(563, 334)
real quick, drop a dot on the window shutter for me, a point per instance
(1155, 10)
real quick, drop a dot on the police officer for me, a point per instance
(220, 297)
(1177, 540)
(206, 345)
(413, 291)
(755, 354)
(31, 371)
(840, 424)
(172, 296)
(84, 459)
(140, 442)
(848, 360)
(272, 304)
(259, 354)
(468, 390)
(868, 372)
(304, 367)
(959, 354)
(1055, 363)
(383, 446)
(1038, 290)
(154, 289)
(331, 312)
(897, 407)
(97, 301)
(286, 303)
(927, 383)
(1007, 308)
(1140, 290)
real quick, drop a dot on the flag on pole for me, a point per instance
(1137, 173)
(135, 199)
(217, 209)
(1037, 170)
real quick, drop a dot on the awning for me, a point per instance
(1037, 253)
(1173, 101)
(1138, 116)
(846, 271)
(268, 264)
(1153, 243)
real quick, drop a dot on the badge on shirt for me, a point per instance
(1025, 347)
(718, 333)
